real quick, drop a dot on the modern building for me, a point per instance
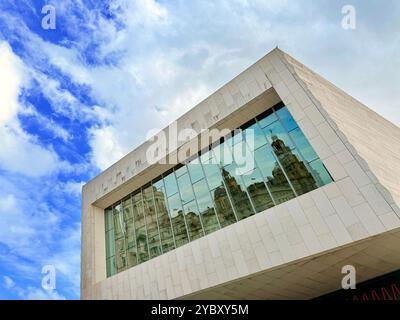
(323, 191)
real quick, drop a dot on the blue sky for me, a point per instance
(75, 99)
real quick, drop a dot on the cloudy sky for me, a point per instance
(75, 99)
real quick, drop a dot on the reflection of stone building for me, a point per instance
(151, 222)
(258, 194)
(162, 215)
(209, 220)
(223, 206)
(239, 197)
(297, 172)
(280, 192)
(193, 224)
(178, 224)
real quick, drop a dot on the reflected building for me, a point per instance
(188, 202)
(296, 171)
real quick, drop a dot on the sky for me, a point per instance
(75, 99)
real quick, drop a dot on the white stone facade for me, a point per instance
(292, 251)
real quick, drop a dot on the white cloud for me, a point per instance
(8, 283)
(105, 147)
(73, 188)
(36, 235)
(22, 155)
(47, 123)
(22, 224)
(31, 293)
(16, 145)
(10, 82)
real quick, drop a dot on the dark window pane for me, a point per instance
(206, 206)
(151, 222)
(288, 122)
(140, 228)
(320, 172)
(257, 190)
(276, 180)
(110, 243)
(167, 240)
(193, 220)
(237, 192)
(177, 219)
(110, 266)
(108, 219)
(303, 145)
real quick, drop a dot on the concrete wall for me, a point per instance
(353, 208)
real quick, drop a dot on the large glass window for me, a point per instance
(267, 162)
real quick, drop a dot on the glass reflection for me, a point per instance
(223, 206)
(200, 197)
(119, 234)
(164, 223)
(303, 145)
(177, 220)
(192, 216)
(275, 179)
(286, 118)
(140, 228)
(130, 237)
(236, 189)
(151, 222)
(206, 206)
(257, 190)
